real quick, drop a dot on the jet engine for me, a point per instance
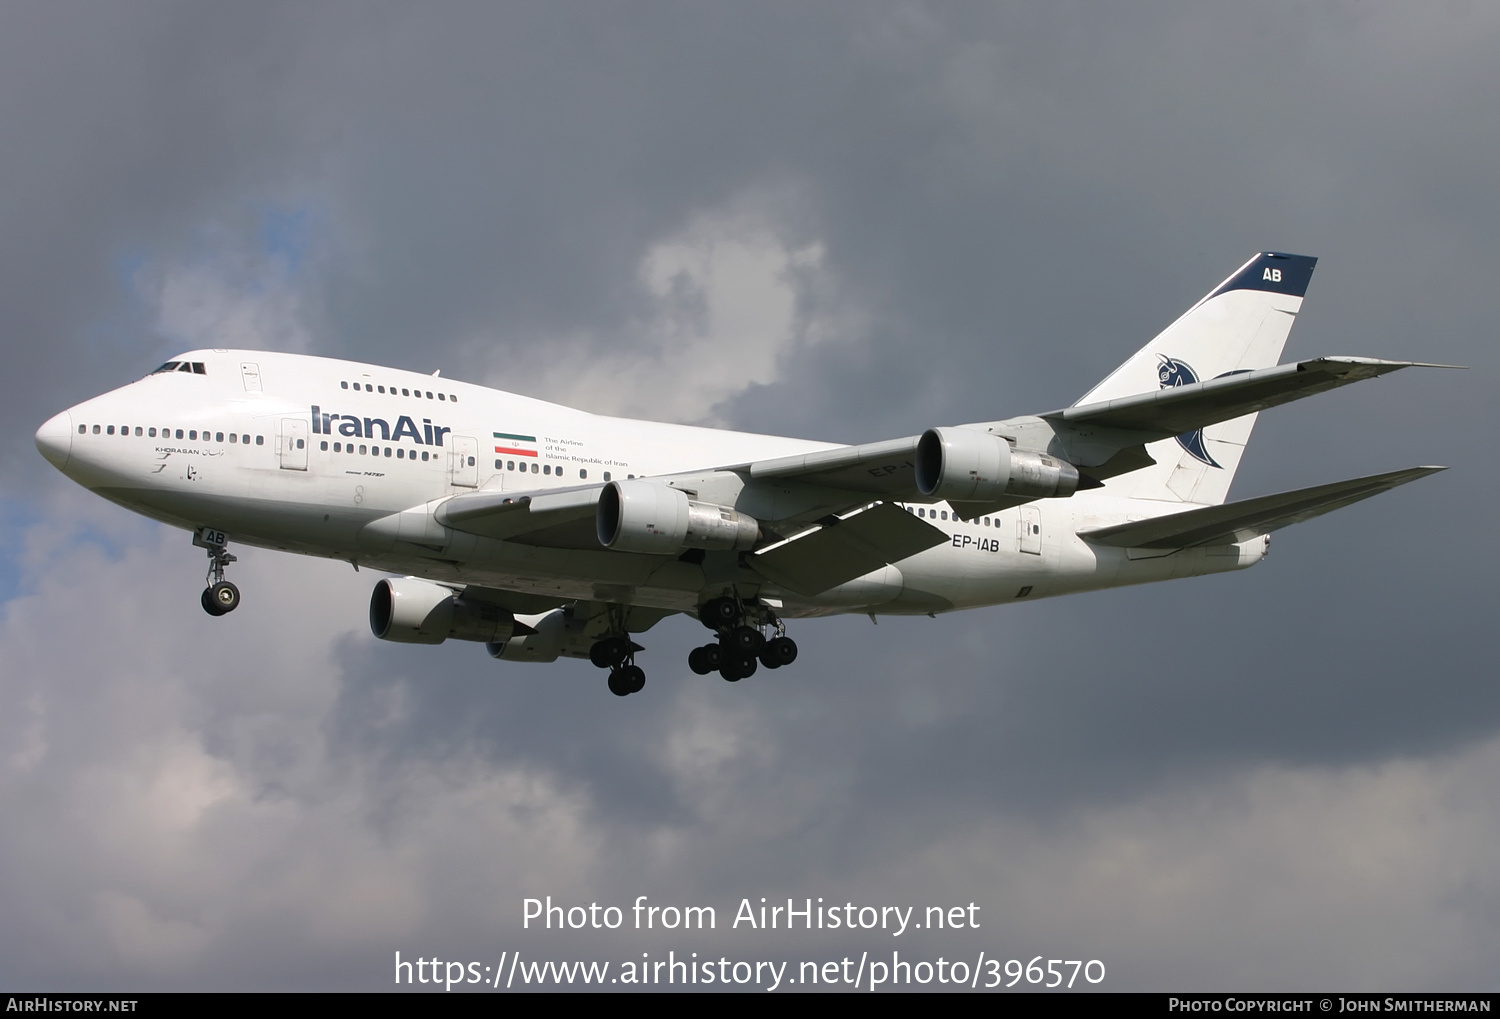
(965, 465)
(543, 638)
(642, 516)
(413, 611)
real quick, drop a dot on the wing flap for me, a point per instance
(844, 547)
(1240, 521)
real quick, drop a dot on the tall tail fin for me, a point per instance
(1241, 325)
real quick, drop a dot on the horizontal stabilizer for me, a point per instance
(1177, 409)
(1241, 521)
(844, 547)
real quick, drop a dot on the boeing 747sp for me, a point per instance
(543, 531)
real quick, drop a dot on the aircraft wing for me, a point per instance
(845, 546)
(879, 468)
(1240, 521)
(560, 517)
(1179, 409)
(1104, 439)
(504, 514)
(885, 469)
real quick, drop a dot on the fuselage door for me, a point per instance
(292, 447)
(465, 461)
(1031, 530)
(250, 376)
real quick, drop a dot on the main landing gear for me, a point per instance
(220, 596)
(616, 652)
(742, 644)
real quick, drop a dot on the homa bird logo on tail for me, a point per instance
(1170, 373)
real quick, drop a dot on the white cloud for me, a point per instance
(172, 792)
(728, 302)
(1359, 878)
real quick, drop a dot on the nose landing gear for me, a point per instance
(220, 596)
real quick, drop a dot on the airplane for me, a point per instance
(546, 532)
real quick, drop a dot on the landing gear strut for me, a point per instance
(742, 643)
(616, 652)
(220, 596)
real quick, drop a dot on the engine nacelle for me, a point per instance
(642, 516)
(548, 637)
(412, 611)
(965, 465)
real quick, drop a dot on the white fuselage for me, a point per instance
(300, 453)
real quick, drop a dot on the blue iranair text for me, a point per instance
(354, 427)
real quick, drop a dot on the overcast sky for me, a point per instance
(838, 221)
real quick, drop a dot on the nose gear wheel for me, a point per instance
(220, 596)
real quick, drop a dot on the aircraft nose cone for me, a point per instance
(55, 439)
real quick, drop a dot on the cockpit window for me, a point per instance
(191, 367)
